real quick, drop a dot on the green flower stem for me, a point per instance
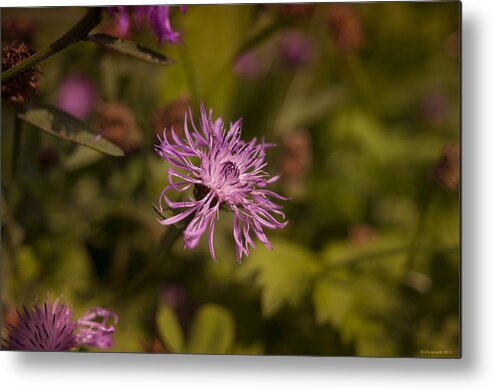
(260, 36)
(419, 229)
(16, 148)
(190, 74)
(362, 82)
(90, 20)
(297, 85)
(170, 237)
(363, 259)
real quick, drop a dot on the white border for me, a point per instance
(474, 371)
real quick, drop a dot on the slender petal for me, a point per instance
(94, 328)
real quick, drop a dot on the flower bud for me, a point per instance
(170, 116)
(17, 29)
(23, 87)
(345, 27)
(117, 123)
(446, 171)
(296, 155)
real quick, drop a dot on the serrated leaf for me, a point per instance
(370, 336)
(64, 126)
(170, 329)
(375, 296)
(332, 300)
(283, 274)
(130, 48)
(212, 331)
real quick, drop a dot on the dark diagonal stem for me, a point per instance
(90, 20)
(172, 234)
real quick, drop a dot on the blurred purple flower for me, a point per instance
(77, 95)
(174, 295)
(296, 48)
(435, 108)
(224, 172)
(50, 327)
(157, 17)
(248, 65)
(123, 18)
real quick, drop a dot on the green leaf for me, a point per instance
(332, 300)
(28, 265)
(73, 278)
(371, 336)
(170, 329)
(130, 48)
(212, 331)
(66, 127)
(284, 274)
(81, 157)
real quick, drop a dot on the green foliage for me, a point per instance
(28, 264)
(66, 127)
(82, 157)
(169, 328)
(212, 331)
(283, 274)
(332, 300)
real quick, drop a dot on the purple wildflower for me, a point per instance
(296, 48)
(50, 327)
(77, 96)
(224, 172)
(248, 65)
(157, 17)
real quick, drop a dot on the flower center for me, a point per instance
(230, 171)
(222, 178)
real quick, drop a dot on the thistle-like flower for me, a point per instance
(50, 327)
(225, 172)
(157, 17)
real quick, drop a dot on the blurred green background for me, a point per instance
(367, 131)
